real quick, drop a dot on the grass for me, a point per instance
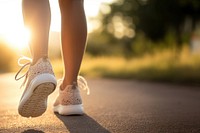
(166, 65)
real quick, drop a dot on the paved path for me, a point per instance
(118, 106)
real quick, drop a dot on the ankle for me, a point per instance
(35, 59)
(66, 83)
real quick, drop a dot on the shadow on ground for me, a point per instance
(81, 124)
(32, 131)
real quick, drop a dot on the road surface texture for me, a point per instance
(114, 106)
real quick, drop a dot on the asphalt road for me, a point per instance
(117, 106)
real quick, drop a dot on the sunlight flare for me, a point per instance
(12, 29)
(18, 40)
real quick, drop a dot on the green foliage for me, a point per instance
(137, 27)
(153, 17)
(99, 44)
(163, 65)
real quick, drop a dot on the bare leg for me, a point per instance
(73, 37)
(37, 17)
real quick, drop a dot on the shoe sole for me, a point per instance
(34, 101)
(69, 109)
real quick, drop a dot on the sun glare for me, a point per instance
(12, 29)
(18, 40)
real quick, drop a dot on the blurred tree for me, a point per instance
(155, 18)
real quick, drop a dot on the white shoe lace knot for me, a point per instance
(82, 83)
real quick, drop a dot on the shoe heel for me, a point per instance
(36, 104)
(69, 109)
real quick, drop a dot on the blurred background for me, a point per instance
(150, 40)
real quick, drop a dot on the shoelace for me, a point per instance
(23, 65)
(82, 83)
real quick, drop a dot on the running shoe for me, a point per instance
(69, 101)
(39, 83)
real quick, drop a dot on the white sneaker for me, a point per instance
(40, 83)
(69, 101)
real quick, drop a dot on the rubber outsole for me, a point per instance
(69, 109)
(34, 101)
